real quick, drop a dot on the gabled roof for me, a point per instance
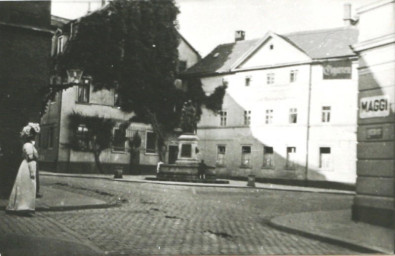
(328, 43)
(317, 44)
(222, 58)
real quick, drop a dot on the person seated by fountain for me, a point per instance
(202, 170)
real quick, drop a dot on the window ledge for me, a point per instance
(82, 103)
(268, 167)
(151, 153)
(113, 151)
(220, 165)
(245, 167)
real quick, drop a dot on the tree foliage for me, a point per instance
(131, 45)
(98, 135)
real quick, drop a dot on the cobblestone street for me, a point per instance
(163, 219)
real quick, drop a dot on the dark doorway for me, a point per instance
(173, 151)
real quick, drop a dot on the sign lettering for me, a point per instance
(337, 69)
(377, 106)
(374, 133)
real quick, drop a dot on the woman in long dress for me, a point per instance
(23, 195)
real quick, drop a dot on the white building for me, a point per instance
(289, 112)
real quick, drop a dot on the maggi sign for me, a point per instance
(377, 106)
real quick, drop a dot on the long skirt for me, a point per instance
(23, 194)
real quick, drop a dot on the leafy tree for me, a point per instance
(131, 45)
(97, 138)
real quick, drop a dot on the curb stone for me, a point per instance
(327, 238)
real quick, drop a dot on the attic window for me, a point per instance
(216, 54)
(271, 47)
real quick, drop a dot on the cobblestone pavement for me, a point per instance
(162, 219)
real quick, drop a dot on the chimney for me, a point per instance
(347, 14)
(239, 35)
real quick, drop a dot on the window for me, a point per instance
(117, 102)
(83, 91)
(247, 80)
(119, 139)
(221, 149)
(60, 44)
(271, 47)
(291, 153)
(270, 78)
(182, 65)
(247, 117)
(268, 157)
(150, 146)
(293, 115)
(246, 156)
(269, 116)
(293, 76)
(82, 136)
(223, 117)
(326, 114)
(325, 158)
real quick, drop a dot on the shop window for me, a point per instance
(119, 140)
(246, 156)
(221, 150)
(325, 158)
(270, 78)
(293, 76)
(247, 117)
(223, 117)
(83, 91)
(293, 115)
(326, 114)
(150, 145)
(291, 153)
(82, 136)
(269, 116)
(268, 157)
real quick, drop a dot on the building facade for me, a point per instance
(25, 46)
(289, 112)
(374, 202)
(54, 144)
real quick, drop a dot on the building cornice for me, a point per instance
(32, 28)
(373, 5)
(313, 61)
(373, 43)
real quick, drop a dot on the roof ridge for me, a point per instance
(317, 31)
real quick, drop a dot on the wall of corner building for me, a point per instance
(187, 54)
(340, 134)
(374, 200)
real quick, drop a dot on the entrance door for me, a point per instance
(173, 151)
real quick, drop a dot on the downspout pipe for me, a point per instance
(308, 122)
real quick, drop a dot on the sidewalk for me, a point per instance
(331, 226)
(40, 235)
(337, 227)
(57, 200)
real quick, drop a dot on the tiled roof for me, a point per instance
(317, 44)
(327, 43)
(222, 57)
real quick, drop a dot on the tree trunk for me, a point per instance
(97, 161)
(161, 139)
